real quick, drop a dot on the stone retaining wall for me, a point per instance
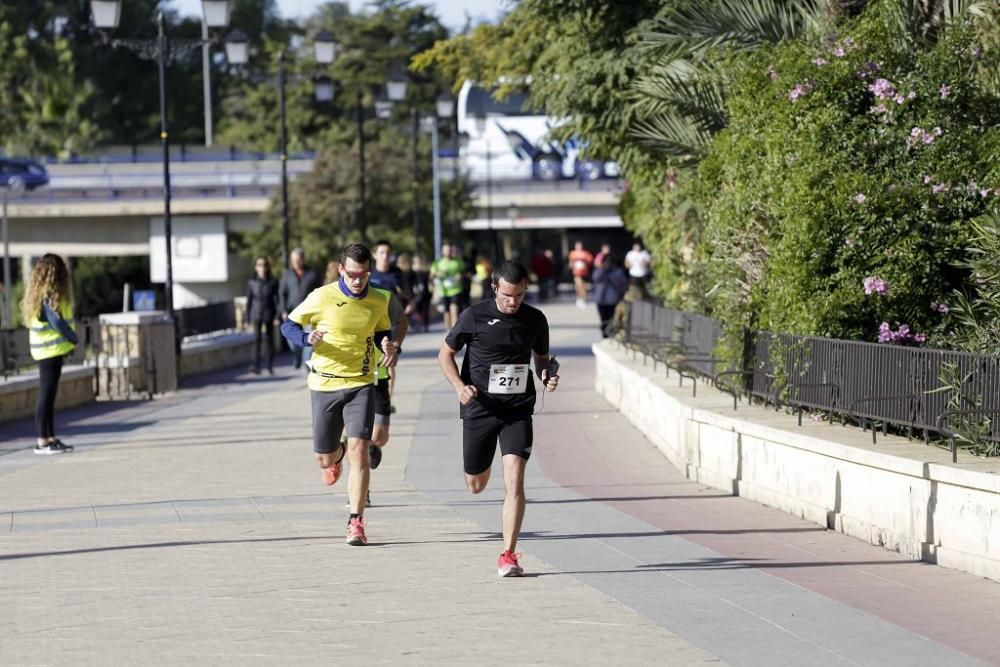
(19, 393)
(216, 353)
(903, 495)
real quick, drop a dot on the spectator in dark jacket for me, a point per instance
(262, 311)
(296, 284)
(610, 285)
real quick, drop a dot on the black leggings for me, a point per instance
(606, 313)
(265, 330)
(49, 372)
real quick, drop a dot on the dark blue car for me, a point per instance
(19, 174)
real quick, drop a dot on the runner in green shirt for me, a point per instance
(446, 274)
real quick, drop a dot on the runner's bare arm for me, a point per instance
(446, 358)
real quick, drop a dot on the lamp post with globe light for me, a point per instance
(106, 16)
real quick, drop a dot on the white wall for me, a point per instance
(905, 496)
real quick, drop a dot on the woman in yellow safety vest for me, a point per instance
(47, 311)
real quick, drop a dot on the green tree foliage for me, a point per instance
(44, 105)
(323, 204)
(573, 56)
(857, 156)
(977, 307)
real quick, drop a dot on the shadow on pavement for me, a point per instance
(713, 564)
(162, 545)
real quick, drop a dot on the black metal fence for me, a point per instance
(15, 353)
(206, 319)
(936, 391)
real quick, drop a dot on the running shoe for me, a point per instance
(331, 474)
(356, 532)
(55, 447)
(374, 456)
(507, 565)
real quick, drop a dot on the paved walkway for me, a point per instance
(194, 529)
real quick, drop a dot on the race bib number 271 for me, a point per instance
(509, 379)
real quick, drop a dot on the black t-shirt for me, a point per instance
(386, 279)
(495, 343)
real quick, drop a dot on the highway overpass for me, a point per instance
(116, 209)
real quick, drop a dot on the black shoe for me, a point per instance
(374, 456)
(55, 447)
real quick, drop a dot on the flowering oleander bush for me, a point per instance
(838, 201)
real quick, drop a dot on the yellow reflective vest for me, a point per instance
(46, 342)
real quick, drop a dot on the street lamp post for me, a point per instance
(8, 288)
(214, 14)
(106, 14)
(325, 52)
(283, 150)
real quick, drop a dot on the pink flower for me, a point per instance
(796, 92)
(940, 187)
(927, 179)
(911, 95)
(937, 131)
(859, 198)
(984, 193)
(883, 89)
(875, 285)
(819, 62)
(945, 91)
(839, 52)
(899, 99)
(916, 132)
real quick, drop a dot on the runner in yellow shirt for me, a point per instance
(347, 318)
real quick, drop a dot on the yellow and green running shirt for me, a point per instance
(350, 323)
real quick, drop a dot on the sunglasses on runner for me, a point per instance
(356, 275)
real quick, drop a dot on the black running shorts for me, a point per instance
(383, 405)
(480, 435)
(337, 412)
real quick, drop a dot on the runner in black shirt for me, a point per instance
(497, 392)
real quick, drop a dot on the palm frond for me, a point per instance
(695, 28)
(699, 96)
(672, 135)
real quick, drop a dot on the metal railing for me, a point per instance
(869, 383)
(206, 319)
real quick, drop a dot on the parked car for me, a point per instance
(20, 174)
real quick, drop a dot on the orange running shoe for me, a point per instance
(507, 565)
(356, 532)
(331, 474)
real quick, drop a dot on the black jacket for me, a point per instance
(294, 290)
(262, 300)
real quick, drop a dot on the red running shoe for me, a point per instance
(507, 565)
(331, 474)
(356, 532)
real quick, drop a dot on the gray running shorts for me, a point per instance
(336, 412)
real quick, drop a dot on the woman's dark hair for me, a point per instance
(610, 261)
(510, 271)
(267, 265)
(358, 252)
